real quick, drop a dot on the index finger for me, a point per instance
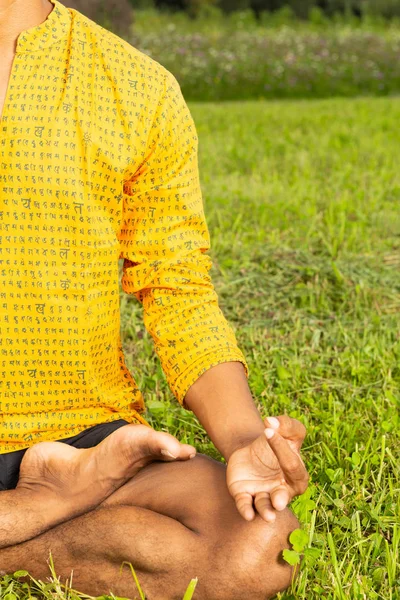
(290, 461)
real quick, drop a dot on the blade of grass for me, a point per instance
(191, 589)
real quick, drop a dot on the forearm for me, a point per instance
(24, 514)
(222, 401)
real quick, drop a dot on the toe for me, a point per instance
(169, 447)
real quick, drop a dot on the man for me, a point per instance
(98, 156)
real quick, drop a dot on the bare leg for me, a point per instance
(58, 482)
(173, 522)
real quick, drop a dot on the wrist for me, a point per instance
(49, 507)
(222, 401)
(239, 442)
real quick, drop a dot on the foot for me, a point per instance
(80, 479)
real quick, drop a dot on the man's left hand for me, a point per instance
(267, 474)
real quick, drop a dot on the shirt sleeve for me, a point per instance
(163, 240)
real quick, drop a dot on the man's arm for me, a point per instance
(163, 240)
(265, 469)
(222, 401)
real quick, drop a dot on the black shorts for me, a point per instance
(10, 462)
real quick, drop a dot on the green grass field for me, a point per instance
(235, 58)
(302, 202)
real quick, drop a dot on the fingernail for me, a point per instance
(269, 433)
(166, 453)
(192, 456)
(274, 422)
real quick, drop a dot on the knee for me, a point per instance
(247, 556)
(270, 572)
(251, 559)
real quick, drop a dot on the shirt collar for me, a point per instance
(47, 33)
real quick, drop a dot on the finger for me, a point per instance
(280, 497)
(244, 504)
(290, 461)
(289, 428)
(263, 505)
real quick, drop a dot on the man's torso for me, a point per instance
(76, 118)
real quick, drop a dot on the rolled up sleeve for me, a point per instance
(163, 240)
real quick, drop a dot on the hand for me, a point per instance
(268, 473)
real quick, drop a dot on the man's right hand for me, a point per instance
(268, 473)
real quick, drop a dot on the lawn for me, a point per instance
(302, 202)
(235, 58)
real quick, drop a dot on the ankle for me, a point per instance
(46, 503)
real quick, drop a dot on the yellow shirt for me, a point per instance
(98, 162)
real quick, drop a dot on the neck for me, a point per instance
(17, 16)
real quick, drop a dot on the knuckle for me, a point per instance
(242, 498)
(285, 420)
(261, 497)
(300, 427)
(302, 430)
(292, 466)
(302, 486)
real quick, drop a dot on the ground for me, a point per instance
(302, 202)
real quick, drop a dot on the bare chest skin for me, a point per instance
(5, 72)
(18, 16)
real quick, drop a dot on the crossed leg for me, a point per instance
(172, 521)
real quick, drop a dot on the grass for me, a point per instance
(234, 58)
(151, 20)
(302, 203)
(21, 585)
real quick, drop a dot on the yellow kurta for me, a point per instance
(98, 161)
